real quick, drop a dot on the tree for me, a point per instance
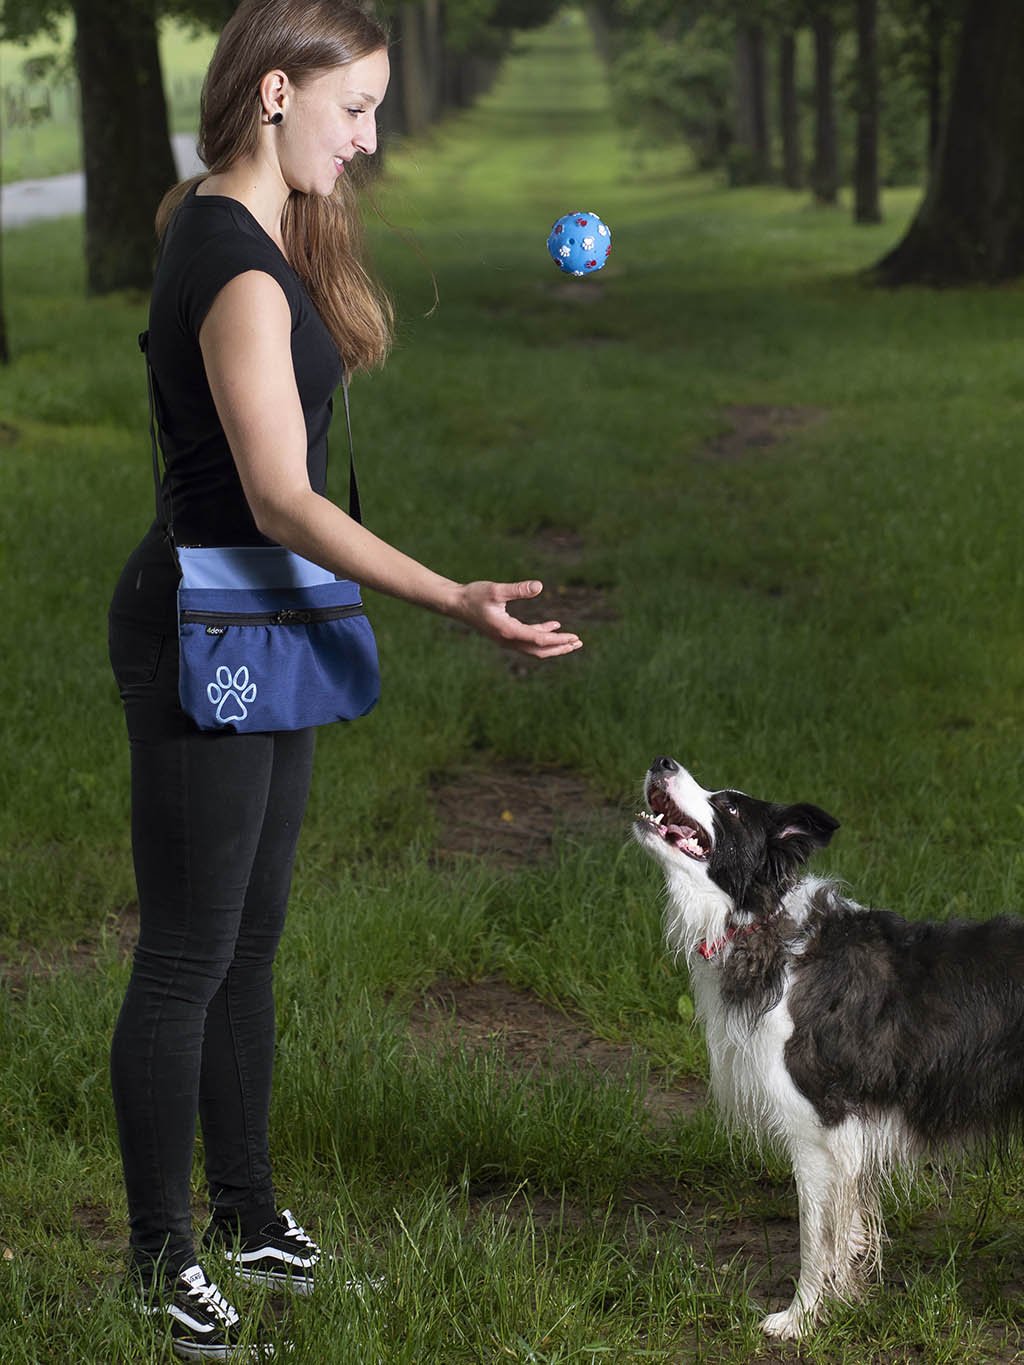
(444, 53)
(126, 144)
(929, 32)
(20, 20)
(789, 113)
(751, 104)
(934, 28)
(867, 204)
(126, 147)
(825, 167)
(970, 226)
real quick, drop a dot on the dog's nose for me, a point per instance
(664, 765)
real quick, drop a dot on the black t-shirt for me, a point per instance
(209, 241)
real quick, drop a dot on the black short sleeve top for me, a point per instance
(209, 241)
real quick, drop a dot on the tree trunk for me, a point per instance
(600, 31)
(935, 31)
(467, 77)
(867, 204)
(414, 88)
(825, 171)
(751, 104)
(391, 118)
(789, 114)
(433, 57)
(126, 146)
(970, 226)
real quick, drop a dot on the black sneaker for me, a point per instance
(203, 1325)
(280, 1255)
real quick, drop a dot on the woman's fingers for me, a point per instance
(527, 587)
(486, 605)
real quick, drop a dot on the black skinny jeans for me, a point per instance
(215, 822)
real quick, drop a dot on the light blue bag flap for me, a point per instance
(248, 566)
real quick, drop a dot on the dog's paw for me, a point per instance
(788, 1325)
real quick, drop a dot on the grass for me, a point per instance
(836, 618)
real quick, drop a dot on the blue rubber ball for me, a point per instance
(579, 243)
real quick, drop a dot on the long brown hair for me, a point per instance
(323, 235)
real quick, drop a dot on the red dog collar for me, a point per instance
(709, 950)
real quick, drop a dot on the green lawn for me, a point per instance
(834, 617)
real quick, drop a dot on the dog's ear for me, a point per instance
(801, 829)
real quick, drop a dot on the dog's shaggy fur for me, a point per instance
(853, 1038)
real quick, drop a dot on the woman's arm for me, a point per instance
(246, 344)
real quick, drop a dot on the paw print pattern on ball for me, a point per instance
(576, 252)
(231, 695)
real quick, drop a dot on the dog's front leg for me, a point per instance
(817, 1181)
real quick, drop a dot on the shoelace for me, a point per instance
(300, 1235)
(209, 1296)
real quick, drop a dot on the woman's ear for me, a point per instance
(273, 88)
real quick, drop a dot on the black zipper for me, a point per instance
(301, 616)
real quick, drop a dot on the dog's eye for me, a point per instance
(732, 810)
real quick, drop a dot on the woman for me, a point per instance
(258, 297)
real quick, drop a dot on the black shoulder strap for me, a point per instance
(163, 512)
(162, 508)
(354, 509)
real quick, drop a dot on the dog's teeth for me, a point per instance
(658, 819)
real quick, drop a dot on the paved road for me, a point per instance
(57, 196)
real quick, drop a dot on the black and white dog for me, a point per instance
(853, 1038)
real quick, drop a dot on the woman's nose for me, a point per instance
(366, 138)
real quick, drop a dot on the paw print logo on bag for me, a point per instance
(231, 695)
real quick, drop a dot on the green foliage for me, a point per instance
(679, 87)
(211, 15)
(665, 16)
(525, 14)
(22, 20)
(51, 144)
(678, 83)
(465, 22)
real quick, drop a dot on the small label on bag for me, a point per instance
(216, 630)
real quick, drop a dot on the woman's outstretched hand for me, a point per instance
(483, 606)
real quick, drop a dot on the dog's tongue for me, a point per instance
(682, 836)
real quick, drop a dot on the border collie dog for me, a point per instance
(853, 1038)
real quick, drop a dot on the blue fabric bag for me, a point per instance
(268, 640)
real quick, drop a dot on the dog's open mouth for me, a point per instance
(675, 826)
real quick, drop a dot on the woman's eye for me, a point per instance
(356, 112)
